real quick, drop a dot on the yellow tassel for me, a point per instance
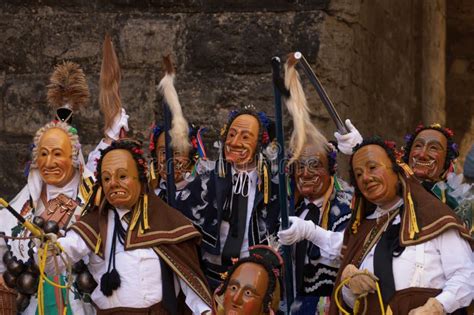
(97, 246)
(98, 196)
(327, 205)
(136, 215)
(145, 212)
(358, 215)
(265, 185)
(443, 195)
(413, 224)
(152, 171)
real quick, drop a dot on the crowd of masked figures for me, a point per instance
(159, 228)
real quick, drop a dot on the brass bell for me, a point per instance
(79, 267)
(15, 267)
(27, 283)
(38, 221)
(9, 279)
(7, 257)
(85, 282)
(51, 227)
(22, 302)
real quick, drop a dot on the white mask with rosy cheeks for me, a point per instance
(120, 180)
(374, 175)
(428, 154)
(241, 142)
(54, 158)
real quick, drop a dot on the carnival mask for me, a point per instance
(54, 158)
(120, 180)
(246, 290)
(375, 176)
(312, 173)
(428, 154)
(241, 142)
(181, 162)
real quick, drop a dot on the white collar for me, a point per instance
(69, 190)
(122, 212)
(381, 212)
(318, 202)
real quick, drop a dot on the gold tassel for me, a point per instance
(443, 196)
(413, 224)
(327, 205)
(146, 226)
(136, 215)
(97, 245)
(265, 185)
(98, 196)
(356, 223)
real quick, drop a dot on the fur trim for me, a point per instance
(303, 129)
(109, 94)
(179, 129)
(68, 86)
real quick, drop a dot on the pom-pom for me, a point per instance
(110, 282)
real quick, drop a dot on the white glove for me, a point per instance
(120, 121)
(345, 143)
(299, 230)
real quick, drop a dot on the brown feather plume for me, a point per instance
(68, 85)
(109, 95)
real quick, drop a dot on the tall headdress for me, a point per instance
(304, 131)
(109, 94)
(179, 126)
(67, 90)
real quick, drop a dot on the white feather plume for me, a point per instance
(179, 125)
(304, 131)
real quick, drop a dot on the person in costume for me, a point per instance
(402, 240)
(465, 210)
(142, 253)
(252, 285)
(57, 187)
(244, 208)
(431, 153)
(323, 205)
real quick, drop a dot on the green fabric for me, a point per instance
(450, 201)
(50, 307)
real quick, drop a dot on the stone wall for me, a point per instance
(460, 72)
(365, 53)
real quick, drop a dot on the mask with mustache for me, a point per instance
(428, 155)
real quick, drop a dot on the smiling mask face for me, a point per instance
(120, 180)
(181, 162)
(241, 142)
(312, 173)
(428, 155)
(374, 175)
(54, 159)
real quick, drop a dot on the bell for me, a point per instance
(33, 268)
(51, 227)
(79, 267)
(27, 283)
(15, 267)
(9, 279)
(7, 257)
(38, 221)
(85, 282)
(22, 302)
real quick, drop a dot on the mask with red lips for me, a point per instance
(241, 142)
(312, 172)
(55, 157)
(120, 180)
(428, 155)
(374, 175)
(246, 290)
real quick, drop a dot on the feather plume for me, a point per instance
(109, 94)
(68, 87)
(179, 126)
(304, 131)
